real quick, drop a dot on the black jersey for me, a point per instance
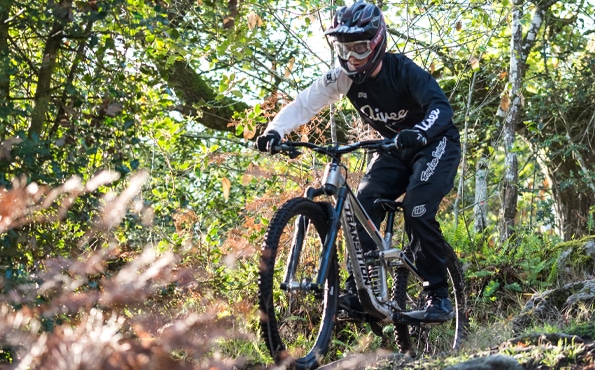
(401, 96)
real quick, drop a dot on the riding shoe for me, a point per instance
(350, 302)
(436, 310)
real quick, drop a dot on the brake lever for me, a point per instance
(289, 151)
(293, 153)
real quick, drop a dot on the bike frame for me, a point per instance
(388, 283)
(372, 290)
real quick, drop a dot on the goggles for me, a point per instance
(356, 49)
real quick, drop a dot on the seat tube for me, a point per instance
(388, 229)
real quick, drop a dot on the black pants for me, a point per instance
(425, 175)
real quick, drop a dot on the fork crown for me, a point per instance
(332, 179)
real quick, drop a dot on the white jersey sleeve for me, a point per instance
(326, 90)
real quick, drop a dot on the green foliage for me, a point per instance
(503, 273)
(591, 220)
(110, 102)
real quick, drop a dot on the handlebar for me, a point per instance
(289, 148)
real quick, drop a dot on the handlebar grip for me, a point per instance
(389, 144)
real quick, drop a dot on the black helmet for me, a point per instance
(359, 22)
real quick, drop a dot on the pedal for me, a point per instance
(350, 316)
(403, 318)
(355, 316)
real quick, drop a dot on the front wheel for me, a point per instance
(297, 321)
(431, 338)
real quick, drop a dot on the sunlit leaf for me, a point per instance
(246, 178)
(289, 67)
(254, 21)
(226, 185)
(474, 61)
(504, 102)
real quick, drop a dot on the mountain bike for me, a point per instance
(299, 270)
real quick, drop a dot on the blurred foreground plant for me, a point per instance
(105, 308)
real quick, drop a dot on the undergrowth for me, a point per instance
(191, 303)
(116, 306)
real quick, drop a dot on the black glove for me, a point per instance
(410, 138)
(266, 142)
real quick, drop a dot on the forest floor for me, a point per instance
(533, 351)
(542, 355)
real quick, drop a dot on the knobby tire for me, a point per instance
(408, 293)
(297, 325)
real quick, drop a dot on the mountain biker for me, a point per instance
(399, 100)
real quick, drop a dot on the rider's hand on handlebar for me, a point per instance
(410, 138)
(267, 141)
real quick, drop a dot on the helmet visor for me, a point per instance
(357, 49)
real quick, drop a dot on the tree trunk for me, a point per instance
(4, 56)
(44, 79)
(62, 13)
(577, 125)
(572, 208)
(511, 105)
(511, 108)
(481, 195)
(199, 97)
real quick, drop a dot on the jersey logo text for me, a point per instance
(375, 115)
(437, 154)
(330, 77)
(428, 122)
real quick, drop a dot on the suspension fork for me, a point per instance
(301, 225)
(329, 243)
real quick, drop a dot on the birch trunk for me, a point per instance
(511, 108)
(481, 195)
(511, 102)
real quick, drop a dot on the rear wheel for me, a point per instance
(297, 321)
(430, 338)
